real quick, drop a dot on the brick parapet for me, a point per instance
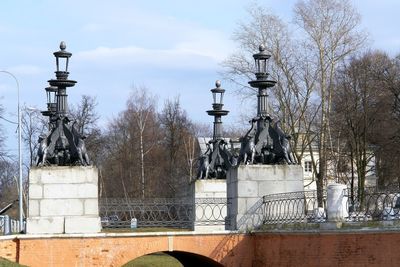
(309, 248)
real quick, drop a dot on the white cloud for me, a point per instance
(25, 70)
(132, 55)
(151, 38)
(190, 54)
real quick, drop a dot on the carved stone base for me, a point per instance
(247, 184)
(63, 200)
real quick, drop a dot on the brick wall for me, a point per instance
(118, 249)
(8, 248)
(328, 249)
(320, 249)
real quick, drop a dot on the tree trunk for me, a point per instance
(142, 164)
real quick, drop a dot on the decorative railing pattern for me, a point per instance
(13, 227)
(286, 208)
(302, 207)
(210, 211)
(293, 207)
(374, 206)
(254, 217)
(162, 212)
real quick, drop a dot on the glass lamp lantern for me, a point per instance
(62, 60)
(218, 96)
(260, 60)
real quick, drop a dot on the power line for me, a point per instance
(1, 117)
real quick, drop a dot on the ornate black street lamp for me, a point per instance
(62, 82)
(63, 145)
(217, 112)
(265, 142)
(262, 81)
(51, 93)
(216, 160)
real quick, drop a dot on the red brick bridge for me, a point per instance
(334, 248)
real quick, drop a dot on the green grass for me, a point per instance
(7, 263)
(154, 260)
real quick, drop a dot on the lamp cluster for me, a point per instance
(63, 144)
(264, 143)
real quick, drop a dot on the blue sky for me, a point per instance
(172, 47)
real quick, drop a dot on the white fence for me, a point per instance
(8, 225)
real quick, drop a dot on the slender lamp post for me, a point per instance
(217, 112)
(216, 166)
(262, 83)
(21, 211)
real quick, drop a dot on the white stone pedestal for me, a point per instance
(63, 200)
(247, 184)
(336, 201)
(210, 205)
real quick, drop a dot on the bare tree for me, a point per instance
(87, 118)
(304, 64)
(117, 169)
(33, 124)
(8, 185)
(177, 133)
(3, 153)
(357, 104)
(387, 133)
(131, 139)
(331, 34)
(190, 145)
(85, 114)
(296, 83)
(141, 112)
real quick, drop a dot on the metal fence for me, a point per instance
(161, 212)
(373, 206)
(302, 207)
(12, 227)
(210, 211)
(293, 207)
(253, 218)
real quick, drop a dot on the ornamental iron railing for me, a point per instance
(373, 206)
(294, 207)
(210, 211)
(370, 204)
(254, 217)
(161, 212)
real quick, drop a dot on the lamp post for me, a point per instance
(220, 157)
(217, 112)
(21, 219)
(265, 141)
(51, 93)
(61, 81)
(262, 83)
(63, 145)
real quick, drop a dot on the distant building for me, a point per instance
(336, 172)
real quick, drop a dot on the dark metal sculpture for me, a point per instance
(63, 145)
(217, 159)
(265, 142)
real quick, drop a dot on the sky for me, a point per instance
(173, 48)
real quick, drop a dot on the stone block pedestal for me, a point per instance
(63, 200)
(336, 203)
(247, 184)
(210, 205)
